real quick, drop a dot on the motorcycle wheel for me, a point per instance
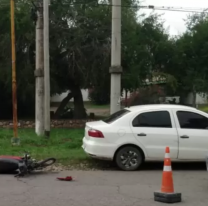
(46, 162)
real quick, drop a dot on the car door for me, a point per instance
(156, 130)
(192, 128)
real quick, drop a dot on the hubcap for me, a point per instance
(129, 159)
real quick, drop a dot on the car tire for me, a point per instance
(129, 158)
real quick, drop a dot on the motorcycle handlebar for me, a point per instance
(26, 154)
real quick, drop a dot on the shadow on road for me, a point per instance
(147, 166)
(180, 166)
(9, 173)
(32, 174)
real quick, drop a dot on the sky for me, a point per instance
(173, 19)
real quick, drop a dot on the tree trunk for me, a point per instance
(194, 98)
(62, 105)
(126, 104)
(183, 97)
(79, 109)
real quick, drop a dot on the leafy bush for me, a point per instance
(100, 95)
(68, 113)
(146, 95)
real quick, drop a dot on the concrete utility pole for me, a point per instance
(46, 68)
(116, 68)
(15, 140)
(39, 72)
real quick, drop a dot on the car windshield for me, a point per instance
(115, 116)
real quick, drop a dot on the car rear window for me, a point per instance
(116, 116)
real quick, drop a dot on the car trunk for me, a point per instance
(96, 125)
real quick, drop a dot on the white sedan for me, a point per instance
(139, 133)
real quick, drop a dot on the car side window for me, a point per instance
(191, 120)
(159, 119)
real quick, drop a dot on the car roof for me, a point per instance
(158, 106)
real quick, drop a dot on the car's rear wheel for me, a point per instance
(129, 158)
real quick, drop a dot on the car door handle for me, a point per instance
(142, 135)
(184, 137)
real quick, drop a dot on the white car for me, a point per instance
(139, 133)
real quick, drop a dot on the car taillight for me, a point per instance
(95, 133)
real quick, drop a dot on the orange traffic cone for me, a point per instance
(167, 178)
(167, 194)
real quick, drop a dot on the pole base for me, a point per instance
(167, 197)
(47, 134)
(15, 141)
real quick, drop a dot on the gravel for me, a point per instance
(85, 165)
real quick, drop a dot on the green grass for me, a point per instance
(203, 108)
(64, 144)
(94, 106)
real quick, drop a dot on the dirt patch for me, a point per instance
(96, 111)
(99, 111)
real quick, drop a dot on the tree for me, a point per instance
(89, 44)
(79, 50)
(80, 41)
(25, 62)
(148, 54)
(189, 63)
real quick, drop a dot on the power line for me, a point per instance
(176, 10)
(162, 8)
(152, 7)
(165, 8)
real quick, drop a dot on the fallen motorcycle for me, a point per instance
(24, 165)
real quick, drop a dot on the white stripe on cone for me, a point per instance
(167, 168)
(167, 155)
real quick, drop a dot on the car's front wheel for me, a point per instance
(129, 158)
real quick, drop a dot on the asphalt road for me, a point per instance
(104, 188)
